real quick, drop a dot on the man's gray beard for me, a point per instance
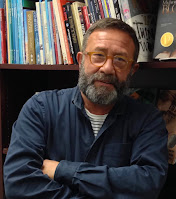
(101, 95)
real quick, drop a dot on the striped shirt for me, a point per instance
(96, 121)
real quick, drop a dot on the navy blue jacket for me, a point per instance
(127, 160)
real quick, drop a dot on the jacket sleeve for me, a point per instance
(142, 179)
(23, 177)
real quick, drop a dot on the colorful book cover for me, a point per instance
(165, 37)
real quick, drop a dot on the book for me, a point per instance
(54, 33)
(141, 15)
(25, 35)
(51, 35)
(45, 33)
(82, 20)
(36, 38)
(90, 7)
(40, 33)
(3, 36)
(59, 50)
(31, 38)
(20, 32)
(105, 8)
(74, 6)
(101, 9)
(86, 17)
(9, 32)
(68, 29)
(58, 11)
(112, 9)
(117, 9)
(72, 28)
(167, 105)
(165, 37)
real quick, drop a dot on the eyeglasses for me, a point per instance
(98, 59)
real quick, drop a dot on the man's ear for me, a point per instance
(135, 68)
(79, 57)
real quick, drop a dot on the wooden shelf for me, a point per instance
(38, 67)
(149, 65)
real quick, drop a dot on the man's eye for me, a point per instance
(119, 59)
(98, 55)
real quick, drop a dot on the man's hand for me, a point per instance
(49, 167)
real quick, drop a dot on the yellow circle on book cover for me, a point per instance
(167, 39)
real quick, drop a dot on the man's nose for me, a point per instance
(108, 67)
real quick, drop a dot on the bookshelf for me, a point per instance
(19, 82)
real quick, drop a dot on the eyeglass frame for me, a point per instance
(128, 61)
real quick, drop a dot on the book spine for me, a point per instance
(69, 57)
(88, 10)
(9, 31)
(26, 36)
(60, 54)
(52, 36)
(54, 33)
(108, 8)
(82, 20)
(91, 11)
(15, 33)
(101, 9)
(59, 28)
(45, 32)
(42, 56)
(104, 8)
(125, 10)
(50, 52)
(67, 25)
(36, 37)
(31, 39)
(117, 9)
(97, 10)
(72, 28)
(0, 38)
(3, 36)
(111, 8)
(86, 17)
(77, 22)
(20, 31)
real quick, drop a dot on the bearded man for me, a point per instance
(91, 141)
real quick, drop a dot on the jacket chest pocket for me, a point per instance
(117, 154)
